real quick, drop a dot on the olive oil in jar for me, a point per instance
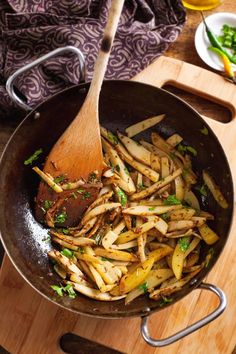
(201, 5)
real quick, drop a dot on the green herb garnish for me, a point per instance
(122, 196)
(126, 171)
(202, 190)
(117, 167)
(183, 149)
(59, 179)
(86, 195)
(60, 218)
(58, 289)
(92, 176)
(113, 138)
(144, 287)
(152, 208)
(66, 289)
(47, 204)
(74, 195)
(184, 243)
(81, 250)
(165, 300)
(165, 217)
(33, 157)
(67, 253)
(204, 131)
(80, 191)
(172, 200)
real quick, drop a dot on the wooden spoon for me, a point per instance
(78, 152)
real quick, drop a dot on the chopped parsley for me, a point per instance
(117, 167)
(204, 131)
(86, 195)
(68, 289)
(144, 287)
(172, 200)
(67, 253)
(80, 190)
(33, 157)
(202, 190)
(60, 218)
(165, 217)
(59, 179)
(92, 176)
(47, 204)
(183, 149)
(81, 250)
(165, 300)
(113, 138)
(152, 208)
(74, 195)
(122, 196)
(184, 243)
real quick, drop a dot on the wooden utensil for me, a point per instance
(78, 152)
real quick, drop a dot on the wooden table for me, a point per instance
(23, 328)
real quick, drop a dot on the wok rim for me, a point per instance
(195, 281)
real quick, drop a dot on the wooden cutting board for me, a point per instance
(31, 324)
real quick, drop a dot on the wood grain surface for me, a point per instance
(31, 324)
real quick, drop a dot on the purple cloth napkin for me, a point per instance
(32, 28)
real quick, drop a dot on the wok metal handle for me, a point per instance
(194, 327)
(12, 78)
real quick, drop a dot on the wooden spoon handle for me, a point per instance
(104, 52)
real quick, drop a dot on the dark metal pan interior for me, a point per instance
(122, 104)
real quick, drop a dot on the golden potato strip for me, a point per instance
(60, 271)
(48, 179)
(97, 226)
(179, 188)
(172, 288)
(137, 151)
(153, 149)
(155, 162)
(87, 257)
(125, 246)
(154, 278)
(180, 214)
(156, 186)
(76, 279)
(178, 260)
(64, 244)
(104, 190)
(160, 253)
(116, 254)
(144, 169)
(95, 294)
(143, 125)
(109, 239)
(77, 241)
(97, 277)
(180, 233)
(191, 199)
(144, 210)
(165, 169)
(180, 224)
(141, 240)
(100, 209)
(100, 200)
(159, 142)
(85, 268)
(198, 221)
(131, 280)
(208, 235)
(174, 140)
(131, 235)
(215, 190)
(119, 165)
(65, 262)
(86, 228)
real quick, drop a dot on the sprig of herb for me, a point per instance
(204, 131)
(184, 243)
(47, 204)
(86, 195)
(165, 300)
(61, 218)
(33, 157)
(152, 208)
(68, 289)
(113, 138)
(59, 179)
(126, 171)
(67, 253)
(202, 190)
(144, 287)
(122, 196)
(172, 200)
(183, 149)
(93, 176)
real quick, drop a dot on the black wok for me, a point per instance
(122, 103)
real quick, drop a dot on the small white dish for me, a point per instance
(215, 23)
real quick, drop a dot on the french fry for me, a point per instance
(155, 162)
(208, 235)
(65, 262)
(143, 210)
(76, 241)
(156, 186)
(136, 150)
(116, 254)
(125, 246)
(191, 199)
(131, 235)
(215, 190)
(179, 188)
(180, 214)
(143, 125)
(174, 140)
(100, 200)
(165, 170)
(95, 294)
(101, 209)
(159, 142)
(180, 225)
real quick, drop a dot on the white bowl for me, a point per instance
(215, 23)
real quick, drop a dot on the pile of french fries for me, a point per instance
(143, 234)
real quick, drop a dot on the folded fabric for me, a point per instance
(32, 28)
